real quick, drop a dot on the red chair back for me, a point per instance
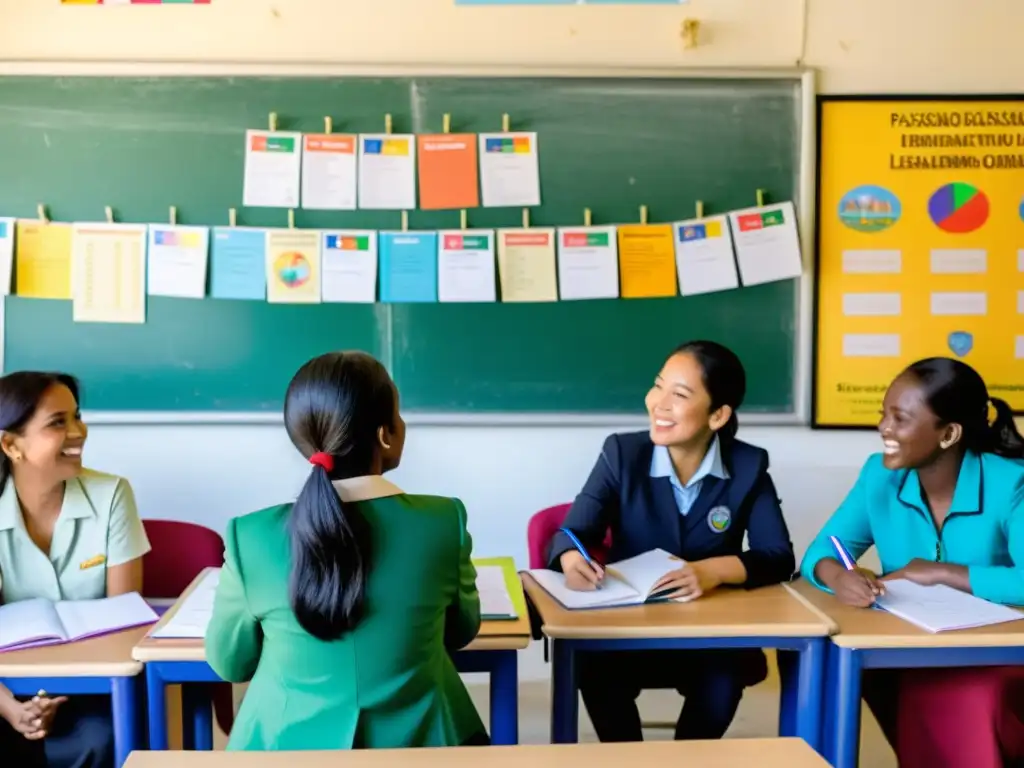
(180, 553)
(542, 528)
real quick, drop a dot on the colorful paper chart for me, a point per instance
(958, 208)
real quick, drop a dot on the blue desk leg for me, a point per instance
(564, 695)
(156, 701)
(844, 702)
(505, 698)
(201, 706)
(810, 687)
(788, 662)
(125, 711)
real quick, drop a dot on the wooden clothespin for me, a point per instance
(690, 32)
(447, 123)
(173, 216)
(110, 214)
(291, 218)
(463, 219)
(526, 218)
(328, 126)
(760, 198)
(41, 213)
(643, 214)
(272, 121)
(506, 123)
(700, 209)
(232, 217)
(387, 123)
(405, 221)
(587, 218)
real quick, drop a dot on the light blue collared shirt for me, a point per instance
(686, 495)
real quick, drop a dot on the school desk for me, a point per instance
(183, 661)
(101, 665)
(726, 753)
(729, 618)
(874, 639)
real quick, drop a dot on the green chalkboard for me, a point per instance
(142, 145)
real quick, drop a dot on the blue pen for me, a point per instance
(841, 552)
(581, 549)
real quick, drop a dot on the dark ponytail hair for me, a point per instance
(723, 377)
(20, 393)
(335, 404)
(957, 394)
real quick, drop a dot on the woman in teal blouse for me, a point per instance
(944, 504)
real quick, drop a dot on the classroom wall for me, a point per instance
(210, 473)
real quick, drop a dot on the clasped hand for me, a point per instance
(33, 718)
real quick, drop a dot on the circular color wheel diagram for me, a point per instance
(958, 208)
(293, 269)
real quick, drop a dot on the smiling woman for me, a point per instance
(66, 533)
(943, 504)
(688, 486)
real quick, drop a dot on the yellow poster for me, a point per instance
(647, 261)
(920, 247)
(293, 266)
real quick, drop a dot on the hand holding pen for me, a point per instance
(854, 586)
(582, 572)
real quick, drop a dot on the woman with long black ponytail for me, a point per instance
(341, 608)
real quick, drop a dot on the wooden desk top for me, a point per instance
(767, 612)
(494, 636)
(727, 753)
(867, 628)
(107, 656)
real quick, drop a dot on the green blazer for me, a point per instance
(388, 683)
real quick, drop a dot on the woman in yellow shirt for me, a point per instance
(66, 533)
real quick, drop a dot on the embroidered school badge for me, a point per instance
(92, 562)
(719, 519)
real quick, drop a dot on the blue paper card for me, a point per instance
(408, 267)
(238, 263)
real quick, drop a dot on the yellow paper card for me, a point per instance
(42, 258)
(647, 261)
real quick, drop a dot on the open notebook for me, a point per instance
(31, 623)
(627, 582)
(940, 608)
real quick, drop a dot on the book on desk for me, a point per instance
(38, 622)
(627, 582)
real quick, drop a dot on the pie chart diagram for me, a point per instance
(292, 269)
(958, 208)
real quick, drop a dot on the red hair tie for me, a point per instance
(324, 460)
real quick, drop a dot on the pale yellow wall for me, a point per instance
(857, 45)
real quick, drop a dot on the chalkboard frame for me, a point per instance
(804, 78)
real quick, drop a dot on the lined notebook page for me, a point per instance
(940, 608)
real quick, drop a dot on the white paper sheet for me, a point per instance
(6, 255)
(940, 608)
(767, 243)
(88, 618)
(588, 263)
(494, 597)
(193, 616)
(273, 164)
(29, 621)
(387, 172)
(177, 261)
(349, 265)
(509, 170)
(705, 261)
(465, 266)
(329, 172)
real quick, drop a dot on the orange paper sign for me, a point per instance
(647, 261)
(448, 171)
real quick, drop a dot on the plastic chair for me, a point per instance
(180, 553)
(539, 531)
